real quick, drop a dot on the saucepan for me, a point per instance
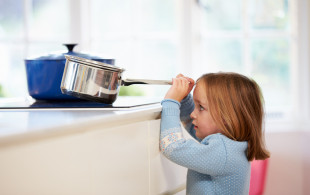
(96, 81)
(44, 74)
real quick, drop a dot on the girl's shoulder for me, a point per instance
(235, 150)
(221, 138)
(212, 137)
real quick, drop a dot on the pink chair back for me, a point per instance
(258, 176)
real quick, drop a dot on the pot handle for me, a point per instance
(127, 82)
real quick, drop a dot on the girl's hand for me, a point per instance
(181, 87)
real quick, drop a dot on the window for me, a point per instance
(157, 39)
(141, 34)
(28, 28)
(253, 37)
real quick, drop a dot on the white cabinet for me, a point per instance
(109, 158)
(165, 176)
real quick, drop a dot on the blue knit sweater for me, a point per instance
(216, 164)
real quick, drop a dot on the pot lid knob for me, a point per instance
(70, 46)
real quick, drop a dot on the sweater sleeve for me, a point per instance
(208, 157)
(187, 107)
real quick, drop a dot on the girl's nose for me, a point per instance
(192, 115)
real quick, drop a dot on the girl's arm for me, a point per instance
(208, 158)
(187, 107)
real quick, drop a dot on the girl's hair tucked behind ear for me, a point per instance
(236, 105)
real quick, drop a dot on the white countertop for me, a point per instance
(23, 124)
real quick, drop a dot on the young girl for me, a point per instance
(225, 116)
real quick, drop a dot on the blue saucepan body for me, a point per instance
(44, 74)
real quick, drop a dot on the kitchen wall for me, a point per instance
(306, 163)
(289, 165)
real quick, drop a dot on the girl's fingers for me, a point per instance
(191, 80)
(188, 78)
(181, 87)
(180, 75)
(186, 83)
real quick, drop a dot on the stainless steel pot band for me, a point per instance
(94, 63)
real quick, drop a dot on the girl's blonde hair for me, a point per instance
(236, 105)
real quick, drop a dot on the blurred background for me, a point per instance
(267, 40)
(157, 39)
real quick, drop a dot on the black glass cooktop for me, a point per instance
(121, 102)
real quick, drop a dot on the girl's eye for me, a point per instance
(201, 108)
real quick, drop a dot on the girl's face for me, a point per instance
(204, 124)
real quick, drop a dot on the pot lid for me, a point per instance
(94, 63)
(61, 56)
